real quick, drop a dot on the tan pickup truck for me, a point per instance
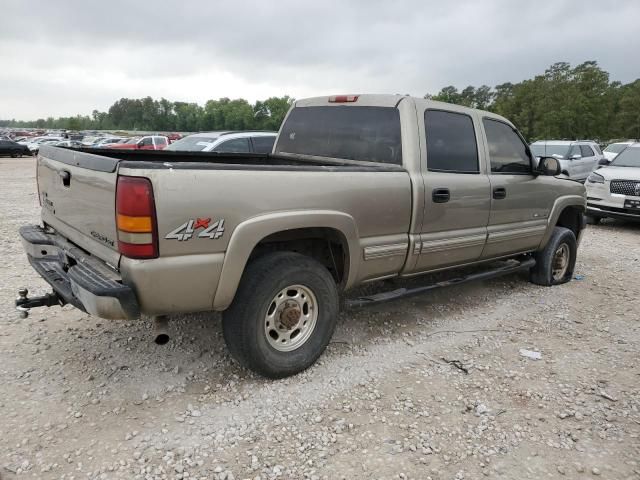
(358, 188)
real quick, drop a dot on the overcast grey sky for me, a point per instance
(69, 57)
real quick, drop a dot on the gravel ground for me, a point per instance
(434, 387)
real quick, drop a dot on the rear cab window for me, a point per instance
(370, 134)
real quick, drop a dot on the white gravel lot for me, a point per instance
(84, 398)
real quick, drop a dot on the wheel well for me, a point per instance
(571, 218)
(326, 245)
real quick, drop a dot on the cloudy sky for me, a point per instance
(69, 57)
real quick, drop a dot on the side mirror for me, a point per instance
(139, 145)
(604, 162)
(575, 157)
(549, 166)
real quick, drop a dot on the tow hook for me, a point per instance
(24, 303)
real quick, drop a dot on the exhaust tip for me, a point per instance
(161, 339)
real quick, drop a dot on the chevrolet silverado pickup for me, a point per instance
(358, 188)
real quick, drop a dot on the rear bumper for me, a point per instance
(79, 279)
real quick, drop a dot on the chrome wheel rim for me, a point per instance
(291, 318)
(561, 262)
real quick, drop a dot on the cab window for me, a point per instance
(508, 153)
(451, 142)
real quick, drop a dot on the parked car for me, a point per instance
(614, 149)
(227, 142)
(107, 142)
(69, 144)
(150, 142)
(359, 188)
(34, 144)
(577, 158)
(15, 149)
(613, 191)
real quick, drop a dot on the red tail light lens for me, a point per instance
(136, 218)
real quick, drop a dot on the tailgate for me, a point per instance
(78, 192)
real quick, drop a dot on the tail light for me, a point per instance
(343, 99)
(136, 218)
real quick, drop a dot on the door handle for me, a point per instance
(499, 193)
(440, 195)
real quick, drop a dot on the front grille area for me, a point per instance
(625, 187)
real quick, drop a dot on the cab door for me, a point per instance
(456, 191)
(520, 201)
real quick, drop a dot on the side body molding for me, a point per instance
(249, 233)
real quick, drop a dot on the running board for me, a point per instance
(408, 292)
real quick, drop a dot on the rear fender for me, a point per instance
(248, 234)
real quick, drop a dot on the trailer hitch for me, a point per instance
(24, 303)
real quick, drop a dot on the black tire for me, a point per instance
(15, 155)
(593, 219)
(242, 323)
(543, 272)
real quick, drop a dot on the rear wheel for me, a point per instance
(556, 262)
(283, 314)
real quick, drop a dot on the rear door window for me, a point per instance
(237, 145)
(370, 134)
(508, 153)
(263, 144)
(451, 142)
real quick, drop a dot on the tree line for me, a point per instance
(162, 115)
(563, 102)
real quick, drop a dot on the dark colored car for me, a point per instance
(9, 147)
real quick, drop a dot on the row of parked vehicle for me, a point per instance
(220, 141)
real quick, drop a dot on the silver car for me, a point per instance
(577, 158)
(614, 191)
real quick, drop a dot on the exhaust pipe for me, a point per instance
(161, 330)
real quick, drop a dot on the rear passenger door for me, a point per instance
(520, 202)
(456, 198)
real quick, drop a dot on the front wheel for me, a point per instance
(283, 314)
(556, 262)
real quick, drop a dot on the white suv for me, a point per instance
(577, 158)
(226, 142)
(614, 191)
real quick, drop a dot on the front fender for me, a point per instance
(558, 206)
(248, 234)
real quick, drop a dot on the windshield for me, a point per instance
(616, 147)
(369, 134)
(192, 144)
(630, 157)
(545, 150)
(130, 140)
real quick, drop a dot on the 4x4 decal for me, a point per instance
(188, 229)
